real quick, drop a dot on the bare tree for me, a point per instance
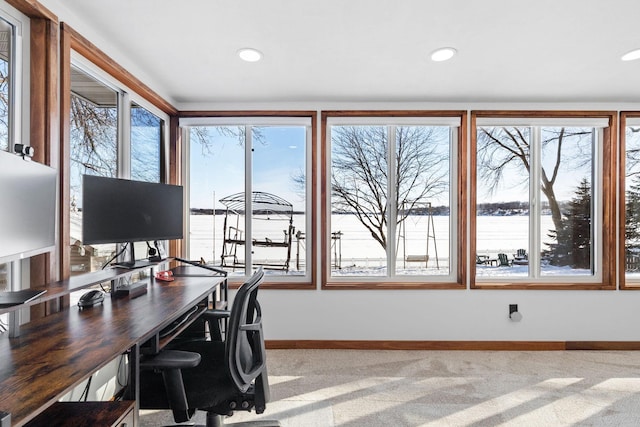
(359, 172)
(4, 103)
(207, 136)
(93, 137)
(145, 144)
(94, 140)
(502, 147)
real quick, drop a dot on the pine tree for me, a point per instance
(572, 241)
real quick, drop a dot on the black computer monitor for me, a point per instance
(124, 211)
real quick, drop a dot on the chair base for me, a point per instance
(215, 420)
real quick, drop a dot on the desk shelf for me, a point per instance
(65, 287)
(86, 414)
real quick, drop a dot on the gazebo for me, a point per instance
(264, 206)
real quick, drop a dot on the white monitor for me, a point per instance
(27, 207)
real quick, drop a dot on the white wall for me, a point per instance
(451, 315)
(422, 314)
(446, 315)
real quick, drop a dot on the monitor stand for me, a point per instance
(133, 263)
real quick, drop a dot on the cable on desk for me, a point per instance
(124, 247)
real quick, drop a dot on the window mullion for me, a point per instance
(391, 201)
(248, 185)
(535, 210)
(454, 214)
(597, 185)
(311, 232)
(185, 178)
(124, 135)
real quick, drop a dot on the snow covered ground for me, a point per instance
(358, 254)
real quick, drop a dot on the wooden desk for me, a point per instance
(56, 353)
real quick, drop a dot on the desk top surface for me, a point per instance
(55, 353)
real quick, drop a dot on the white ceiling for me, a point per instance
(374, 50)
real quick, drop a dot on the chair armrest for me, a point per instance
(171, 359)
(215, 314)
(213, 318)
(170, 363)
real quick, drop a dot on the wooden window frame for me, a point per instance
(313, 116)
(622, 198)
(71, 40)
(461, 200)
(609, 145)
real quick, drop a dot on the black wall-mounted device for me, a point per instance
(24, 150)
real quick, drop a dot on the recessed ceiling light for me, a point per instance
(630, 56)
(443, 54)
(249, 54)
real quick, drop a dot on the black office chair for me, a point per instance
(232, 375)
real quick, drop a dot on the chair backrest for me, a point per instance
(245, 352)
(503, 259)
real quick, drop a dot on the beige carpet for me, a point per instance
(447, 388)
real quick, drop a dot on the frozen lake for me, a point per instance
(357, 253)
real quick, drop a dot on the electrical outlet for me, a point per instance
(514, 314)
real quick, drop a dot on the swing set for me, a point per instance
(417, 208)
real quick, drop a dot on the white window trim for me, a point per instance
(19, 91)
(591, 122)
(245, 121)
(394, 121)
(248, 122)
(454, 124)
(535, 206)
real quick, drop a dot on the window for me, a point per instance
(542, 190)
(146, 142)
(6, 63)
(391, 214)
(110, 135)
(631, 252)
(94, 151)
(6, 76)
(249, 192)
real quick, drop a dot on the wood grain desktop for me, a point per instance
(54, 354)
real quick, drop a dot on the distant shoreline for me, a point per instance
(483, 209)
